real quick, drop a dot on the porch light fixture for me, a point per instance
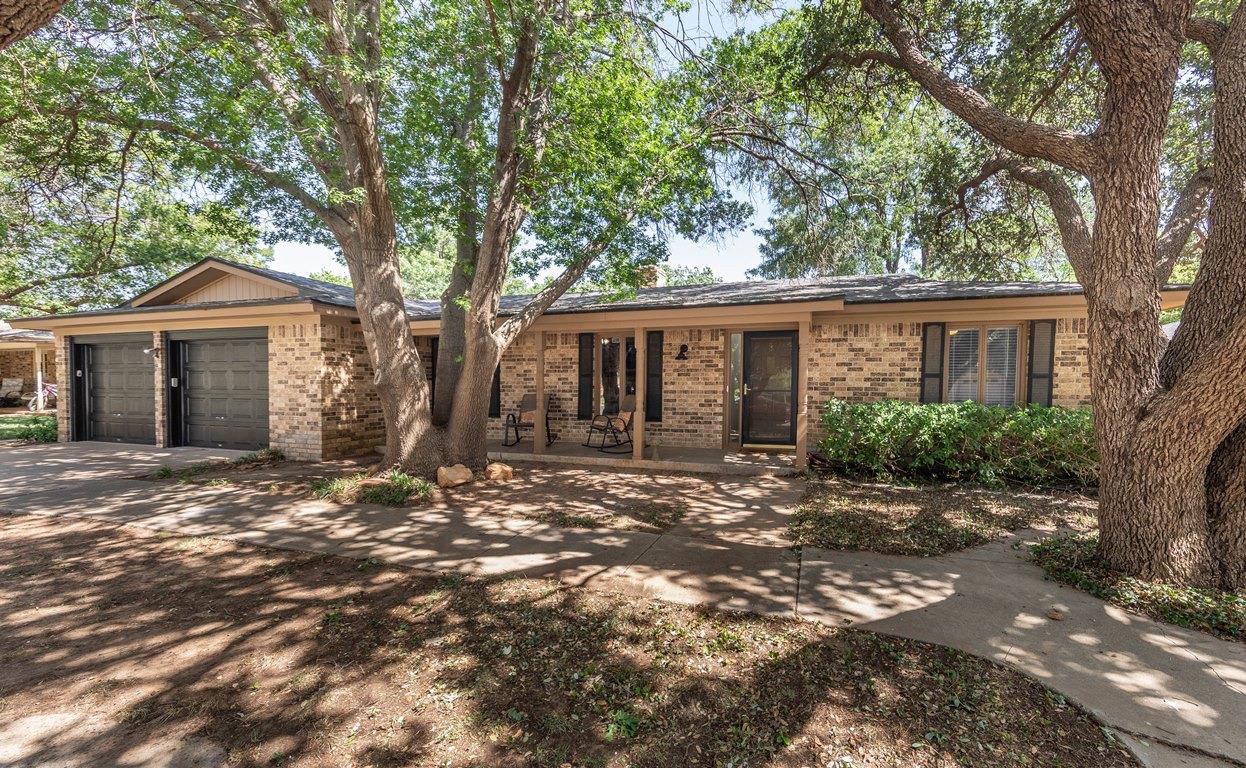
(683, 352)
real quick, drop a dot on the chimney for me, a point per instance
(651, 276)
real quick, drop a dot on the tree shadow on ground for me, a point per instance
(293, 659)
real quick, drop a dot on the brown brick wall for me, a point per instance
(692, 390)
(295, 376)
(160, 365)
(353, 423)
(862, 362)
(1071, 382)
(18, 364)
(63, 389)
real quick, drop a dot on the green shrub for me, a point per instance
(41, 431)
(961, 442)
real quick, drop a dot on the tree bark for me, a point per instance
(371, 254)
(467, 436)
(1217, 300)
(19, 18)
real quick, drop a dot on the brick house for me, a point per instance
(28, 355)
(234, 356)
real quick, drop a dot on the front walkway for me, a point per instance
(1162, 683)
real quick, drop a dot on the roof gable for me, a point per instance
(214, 281)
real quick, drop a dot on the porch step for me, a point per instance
(661, 465)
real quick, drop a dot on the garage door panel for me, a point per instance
(122, 394)
(227, 393)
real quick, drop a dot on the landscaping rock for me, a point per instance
(449, 477)
(499, 472)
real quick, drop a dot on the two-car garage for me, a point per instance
(215, 387)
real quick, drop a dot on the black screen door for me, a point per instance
(769, 388)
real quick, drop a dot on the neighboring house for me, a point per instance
(28, 355)
(228, 355)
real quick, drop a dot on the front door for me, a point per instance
(769, 416)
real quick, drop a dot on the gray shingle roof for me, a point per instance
(858, 289)
(26, 335)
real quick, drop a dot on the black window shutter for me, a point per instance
(1042, 362)
(653, 375)
(584, 402)
(495, 394)
(933, 335)
(432, 376)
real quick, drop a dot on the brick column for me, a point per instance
(159, 364)
(64, 388)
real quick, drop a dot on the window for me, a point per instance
(982, 364)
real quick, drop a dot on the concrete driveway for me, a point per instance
(1158, 686)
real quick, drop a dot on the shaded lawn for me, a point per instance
(1072, 560)
(926, 520)
(569, 497)
(307, 660)
(14, 426)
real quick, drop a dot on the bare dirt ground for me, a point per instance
(568, 496)
(849, 515)
(124, 647)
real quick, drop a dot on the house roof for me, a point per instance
(8, 334)
(856, 289)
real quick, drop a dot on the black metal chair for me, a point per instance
(613, 431)
(525, 418)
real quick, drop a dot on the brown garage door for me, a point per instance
(225, 393)
(120, 393)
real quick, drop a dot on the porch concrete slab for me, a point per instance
(1136, 674)
(718, 574)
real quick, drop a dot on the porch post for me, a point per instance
(39, 401)
(804, 348)
(538, 430)
(638, 418)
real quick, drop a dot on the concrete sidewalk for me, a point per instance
(1157, 684)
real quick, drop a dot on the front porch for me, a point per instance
(692, 398)
(661, 458)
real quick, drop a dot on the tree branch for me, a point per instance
(329, 215)
(1191, 206)
(1209, 32)
(1074, 233)
(1069, 149)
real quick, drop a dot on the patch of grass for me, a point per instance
(1073, 560)
(195, 472)
(32, 427)
(924, 520)
(393, 488)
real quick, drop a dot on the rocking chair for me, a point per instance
(525, 419)
(613, 432)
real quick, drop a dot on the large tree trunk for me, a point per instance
(1151, 517)
(1217, 301)
(19, 18)
(372, 257)
(467, 437)
(451, 343)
